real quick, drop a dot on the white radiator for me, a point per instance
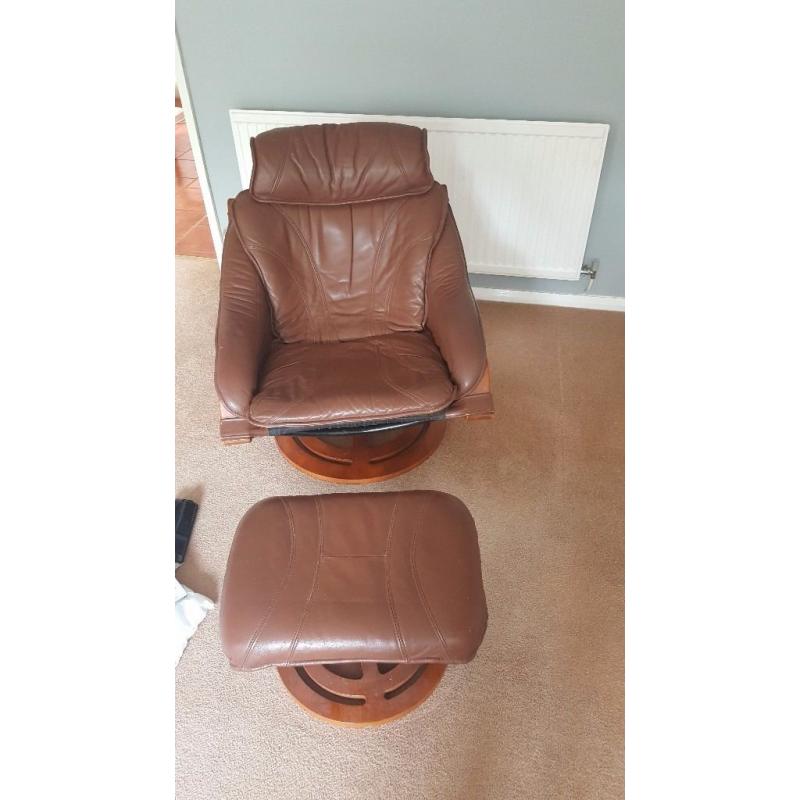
(522, 192)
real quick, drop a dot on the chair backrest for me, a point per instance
(340, 221)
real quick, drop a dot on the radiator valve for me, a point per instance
(590, 269)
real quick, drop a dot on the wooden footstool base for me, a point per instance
(359, 695)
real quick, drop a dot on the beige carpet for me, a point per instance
(539, 712)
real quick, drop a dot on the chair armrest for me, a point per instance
(451, 312)
(244, 327)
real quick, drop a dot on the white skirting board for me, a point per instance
(595, 302)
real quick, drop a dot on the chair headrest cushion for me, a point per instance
(339, 164)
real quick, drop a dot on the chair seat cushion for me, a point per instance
(400, 375)
(387, 577)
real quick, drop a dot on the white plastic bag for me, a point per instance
(190, 610)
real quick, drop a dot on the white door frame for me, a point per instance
(197, 153)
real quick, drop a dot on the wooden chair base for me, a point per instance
(363, 457)
(361, 694)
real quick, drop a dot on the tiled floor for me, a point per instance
(192, 234)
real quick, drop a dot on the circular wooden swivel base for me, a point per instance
(361, 694)
(363, 457)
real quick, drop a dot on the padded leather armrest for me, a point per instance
(452, 314)
(243, 327)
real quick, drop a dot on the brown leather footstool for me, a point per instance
(360, 600)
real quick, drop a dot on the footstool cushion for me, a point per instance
(375, 577)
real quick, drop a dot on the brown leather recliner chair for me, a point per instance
(347, 327)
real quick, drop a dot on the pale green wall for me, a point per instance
(511, 59)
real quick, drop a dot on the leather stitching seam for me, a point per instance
(276, 416)
(378, 251)
(421, 404)
(437, 239)
(268, 613)
(390, 293)
(232, 220)
(307, 605)
(391, 415)
(279, 174)
(417, 584)
(396, 155)
(389, 596)
(285, 261)
(308, 661)
(462, 262)
(314, 267)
